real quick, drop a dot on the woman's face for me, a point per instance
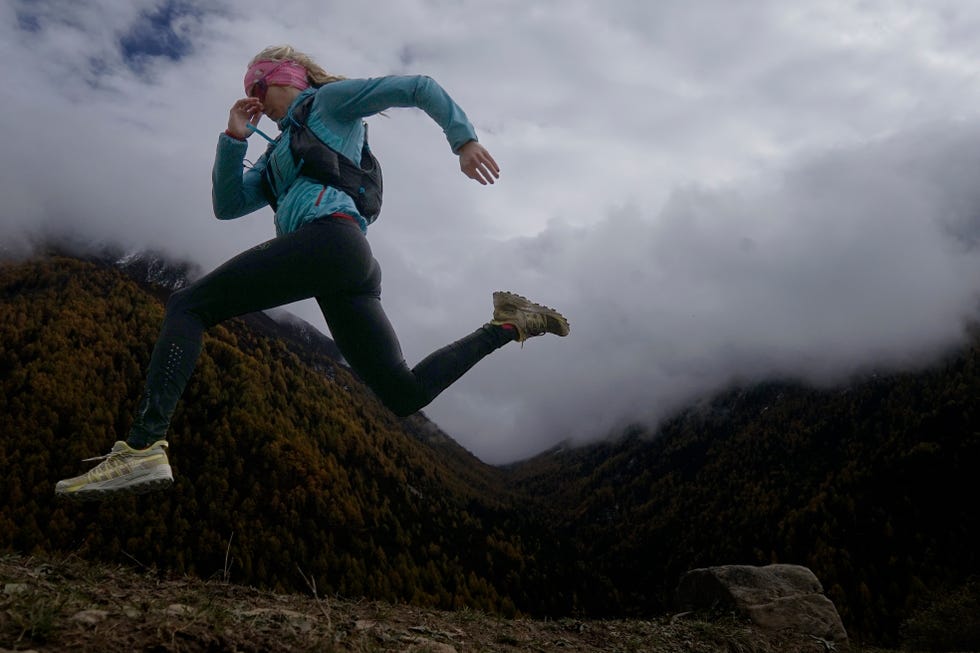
(277, 100)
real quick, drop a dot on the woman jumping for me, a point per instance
(320, 251)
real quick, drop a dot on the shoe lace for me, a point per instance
(536, 323)
(106, 457)
(110, 462)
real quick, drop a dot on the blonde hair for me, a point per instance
(316, 75)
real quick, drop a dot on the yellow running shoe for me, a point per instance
(123, 470)
(528, 318)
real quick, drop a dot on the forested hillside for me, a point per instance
(287, 469)
(284, 467)
(871, 486)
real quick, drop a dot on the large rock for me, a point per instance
(775, 597)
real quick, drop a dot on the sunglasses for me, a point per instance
(261, 87)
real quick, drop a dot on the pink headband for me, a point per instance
(281, 73)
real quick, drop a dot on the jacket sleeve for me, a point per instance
(352, 99)
(234, 194)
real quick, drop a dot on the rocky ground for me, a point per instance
(73, 605)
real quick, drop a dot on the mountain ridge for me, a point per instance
(371, 505)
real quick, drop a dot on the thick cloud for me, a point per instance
(860, 260)
(708, 190)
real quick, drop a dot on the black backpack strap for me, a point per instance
(314, 158)
(301, 113)
(317, 160)
(268, 188)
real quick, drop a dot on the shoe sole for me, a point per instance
(160, 478)
(521, 303)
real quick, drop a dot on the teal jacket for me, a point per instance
(336, 118)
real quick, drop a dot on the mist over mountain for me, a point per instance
(802, 206)
(284, 461)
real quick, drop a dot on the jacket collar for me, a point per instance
(288, 119)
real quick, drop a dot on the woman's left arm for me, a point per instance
(234, 193)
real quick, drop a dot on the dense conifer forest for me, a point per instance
(284, 467)
(287, 469)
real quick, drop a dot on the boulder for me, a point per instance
(775, 597)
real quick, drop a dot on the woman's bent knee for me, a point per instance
(400, 405)
(187, 304)
(402, 398)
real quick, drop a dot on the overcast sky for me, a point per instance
(709, 190)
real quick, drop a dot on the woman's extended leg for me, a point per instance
(364, 335)
(328, 259)
(322, 257)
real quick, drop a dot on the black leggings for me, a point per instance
(328, 259)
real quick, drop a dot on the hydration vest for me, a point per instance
(317, 160)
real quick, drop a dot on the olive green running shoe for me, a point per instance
(123, 470)
(528, 318)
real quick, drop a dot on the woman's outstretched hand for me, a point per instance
(476, 163)
(247, 111)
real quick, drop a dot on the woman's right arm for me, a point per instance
(356, 98)
(234, 194)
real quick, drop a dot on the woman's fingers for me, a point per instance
(477, 163)
(244, 112)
